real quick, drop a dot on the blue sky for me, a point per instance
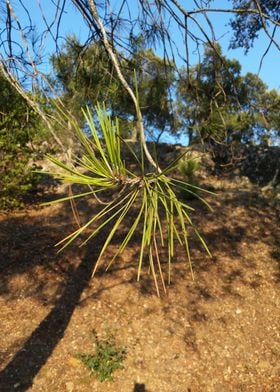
(269, 72)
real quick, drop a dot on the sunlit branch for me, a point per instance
(123, 81)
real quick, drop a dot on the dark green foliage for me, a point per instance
(219, 105)
(207, 96)
(107, 358)
(155, 78)
(17, 127)
(86, 77)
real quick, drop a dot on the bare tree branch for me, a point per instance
(262, 16)
(124, 82)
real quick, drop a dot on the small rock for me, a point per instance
(74, 362)
(264, 364)
(69, 386)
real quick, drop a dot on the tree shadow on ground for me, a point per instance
(60, 281)
(43, 340)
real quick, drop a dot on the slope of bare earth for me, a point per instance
(219, 332)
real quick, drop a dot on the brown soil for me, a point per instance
(219, 332)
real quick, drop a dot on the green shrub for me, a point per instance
(188, 168)
(107, 358)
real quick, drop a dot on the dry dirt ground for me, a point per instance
(219, 332)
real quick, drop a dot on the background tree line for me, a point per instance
(210, 101)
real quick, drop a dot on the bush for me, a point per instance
(107, 358)
(188, 168)
(18, 126)
(17, 179)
